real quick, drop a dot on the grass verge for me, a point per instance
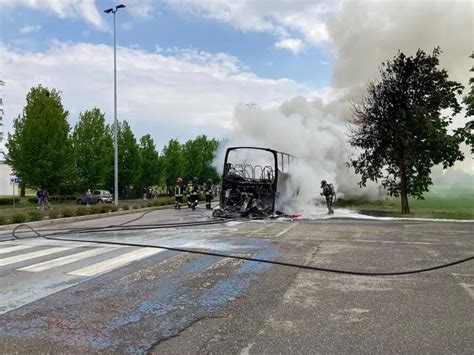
(433, 206)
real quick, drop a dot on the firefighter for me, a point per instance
(328, 193)
(194, 193)
(178, 194)
(208, 193)
(189, 189)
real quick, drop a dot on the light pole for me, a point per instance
(116, 192)
(249, 105)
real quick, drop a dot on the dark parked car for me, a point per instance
(97, 196)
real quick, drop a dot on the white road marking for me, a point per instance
(286, 230)
(116, 262)
(469, 289)
(66, 260)
(14, 248)
(257, 231)
(32, 255)
(370, 241)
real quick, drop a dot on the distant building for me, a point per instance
(5, 169)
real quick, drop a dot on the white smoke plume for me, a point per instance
(316, 137)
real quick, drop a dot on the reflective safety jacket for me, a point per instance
(178, 191)
(207, 189)
(194, 189)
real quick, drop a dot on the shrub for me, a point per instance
(136, 207)
(53, 214)
(82, 211)
(3, 220)
(68, 212)
(105, 208)
(35, 215)
(114, 208)
(150, 204)
(8, 201)
(19, 218)
(125, 207)
(94, 209)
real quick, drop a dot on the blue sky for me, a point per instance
(165, 28)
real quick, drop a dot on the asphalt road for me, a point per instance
(82, 297)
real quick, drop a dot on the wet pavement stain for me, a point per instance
(118, 311)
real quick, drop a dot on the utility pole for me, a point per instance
(116, 190)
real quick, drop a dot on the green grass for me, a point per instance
(448, 206)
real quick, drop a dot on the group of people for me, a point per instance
(149, 193)
(43, 199)
(192, 192)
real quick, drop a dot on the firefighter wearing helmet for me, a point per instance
(178, 194)
(208, 193)
(329, 194)
(194, 193)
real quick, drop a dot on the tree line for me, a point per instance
(45, 152)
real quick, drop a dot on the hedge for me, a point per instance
(8, 201)
(19, 218)
(58, 199)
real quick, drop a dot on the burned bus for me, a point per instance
(253, 180)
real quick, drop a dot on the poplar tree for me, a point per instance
(92, 149)
(40, 149)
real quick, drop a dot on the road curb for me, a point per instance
(56, 221)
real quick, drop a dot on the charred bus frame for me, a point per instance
(253, 190)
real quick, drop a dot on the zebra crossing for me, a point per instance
(56, 258)
(31, 270)
(34, 269)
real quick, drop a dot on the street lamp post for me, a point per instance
(249, 105)
(116, 192)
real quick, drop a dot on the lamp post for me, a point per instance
(116, 192)
(249, 105)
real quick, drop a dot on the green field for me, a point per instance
(448, 205)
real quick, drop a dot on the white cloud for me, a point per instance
(85, 9)
(189, 89)
(303, 20)
(295, 45)
(30, 29)
(140, 9)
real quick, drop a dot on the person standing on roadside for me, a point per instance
(39, 197)
(45, 200)
(88, 197)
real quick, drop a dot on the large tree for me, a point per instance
(40, 148)
(401, 125)
(173, 162)
(198, 156)
(150, 162)
(128, 157)
(466, 132)
(92, 149)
